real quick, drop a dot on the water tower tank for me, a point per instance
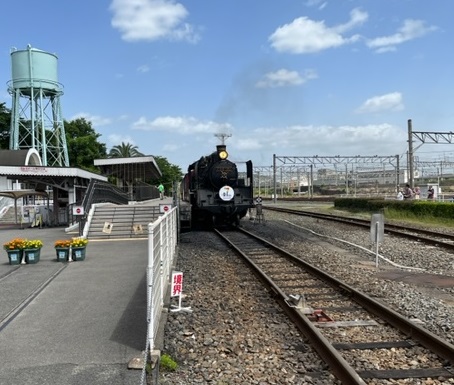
(36, 118)
(34, 68)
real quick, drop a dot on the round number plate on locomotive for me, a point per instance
(226, 193)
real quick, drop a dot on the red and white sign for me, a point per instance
(163, 208)
(177, 291)
(78, 210)
(177, 284)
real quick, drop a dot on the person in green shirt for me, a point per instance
(161, 191)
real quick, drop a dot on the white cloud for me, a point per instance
(249, 144)
(96, 121)
(388, 102)
(181, 125)
(325, 140)
(172, 147)
(307, 36)
(116, 139)
(143, 68)
(320, 4)
(152, 20)
(411, 29)
(284, 77)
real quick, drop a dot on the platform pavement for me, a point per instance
(86, 325)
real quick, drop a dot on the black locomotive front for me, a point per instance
(216, 191)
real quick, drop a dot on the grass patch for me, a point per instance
(394, 215)
(429, 220)
(389, 213)
(352, 213)
(167, 363)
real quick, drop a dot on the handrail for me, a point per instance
(97, 192)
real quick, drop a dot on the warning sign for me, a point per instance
(163, 208)
(107, 227)
(137, 229)
(177, 291)
(78, 210)
(177, 283)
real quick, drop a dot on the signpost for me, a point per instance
(78, 211)
(377, 231)
(177, 291)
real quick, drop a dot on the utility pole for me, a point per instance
(223, 137)
(410, 154)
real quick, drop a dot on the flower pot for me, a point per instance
(32, 255)
(62, 253)
(78, 253)
(15, 256)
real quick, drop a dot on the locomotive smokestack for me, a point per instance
(221, 147)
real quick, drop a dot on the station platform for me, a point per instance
(87, 321)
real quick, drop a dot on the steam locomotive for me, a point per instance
(219, 194)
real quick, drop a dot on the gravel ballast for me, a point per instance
(236, 334)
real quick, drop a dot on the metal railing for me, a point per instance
(100, 192)
(162, 242)
(97, 192)
(144, 191)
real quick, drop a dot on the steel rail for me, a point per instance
(338, 365)
(389, 228)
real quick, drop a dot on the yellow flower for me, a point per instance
(79, 242)
(33, 244)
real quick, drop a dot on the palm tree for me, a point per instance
(124, 150)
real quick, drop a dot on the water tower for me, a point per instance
(36, 119)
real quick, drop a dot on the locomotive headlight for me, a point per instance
(223, 154)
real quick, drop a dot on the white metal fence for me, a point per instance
(162, 243)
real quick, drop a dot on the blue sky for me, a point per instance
(284, 77)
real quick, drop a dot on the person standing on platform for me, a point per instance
(161, 191)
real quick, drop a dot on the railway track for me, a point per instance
(353, 333)
(429, 237)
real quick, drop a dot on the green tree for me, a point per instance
(5, 124)
(83, 145)
(170, 172)
(124, 150)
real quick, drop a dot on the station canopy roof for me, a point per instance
(16, 194)
(25, 167)
(130, 169)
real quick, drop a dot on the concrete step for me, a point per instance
(122, 221)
